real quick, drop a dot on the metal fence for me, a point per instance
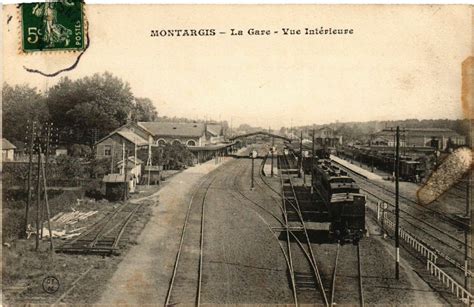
(447, 280)
(430, 255)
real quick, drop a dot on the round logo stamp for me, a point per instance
(50, 284)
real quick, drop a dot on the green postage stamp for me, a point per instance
(53, 26)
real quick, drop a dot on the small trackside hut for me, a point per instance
(115, 186)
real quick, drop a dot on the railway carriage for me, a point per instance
(345, 204)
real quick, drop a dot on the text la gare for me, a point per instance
(255, 32)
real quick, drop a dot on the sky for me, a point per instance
(401, 62)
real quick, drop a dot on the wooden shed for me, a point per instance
(115, 186)
(154, 171)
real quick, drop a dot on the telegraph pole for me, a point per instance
(148, 163)
(466, 231)
(312, 160)
(48, 213)
(273, 147)
(38, 195)
(253, 155)
(301, 154)
(31, 136)
(397, 208)
(125, 164)
(48, 127)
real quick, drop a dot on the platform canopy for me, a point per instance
(260, 133)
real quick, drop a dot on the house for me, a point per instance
(214, 133)
(129, 137)
(326, 136)
(439, 138)
(8, 150)
(134, 167)
(189, 134)
(202, 138)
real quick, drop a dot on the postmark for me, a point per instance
(53, 26)
(50, 284)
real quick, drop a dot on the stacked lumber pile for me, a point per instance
(62, 222)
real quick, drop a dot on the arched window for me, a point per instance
(191, 143)
(161, 142)
(176, 142)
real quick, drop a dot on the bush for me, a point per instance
(94, 190)
(12, 220)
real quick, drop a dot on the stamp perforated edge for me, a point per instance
(20, 50)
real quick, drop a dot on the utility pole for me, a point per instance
(397, 209)
(467, 231)
(31, 136)
(160, 170)
(48, 213)
(273, 149)
(253, 155)
(313, 155)
(48, 127)
(125, 170)
(38, 195)
(123, 157)
(301, 155)
(148, 163)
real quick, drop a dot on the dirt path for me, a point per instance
(142, 277)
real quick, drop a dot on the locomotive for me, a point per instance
(343, 200)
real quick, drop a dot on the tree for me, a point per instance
(91, 106)
(20, 104)
(144, 110)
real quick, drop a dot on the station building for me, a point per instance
(436, 138)
(204, 140)
(326, 136)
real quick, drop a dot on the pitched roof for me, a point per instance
(128, 134)
(174, 129)
(214, 129)
(116, 177)
(7, 145)
(131, 159)
(132, 137)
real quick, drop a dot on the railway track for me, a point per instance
(185, 285)
(301, 274)
(105, 236)
(427, 224)
(351, 280)
(291, 205)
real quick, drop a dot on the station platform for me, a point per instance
(355, 168)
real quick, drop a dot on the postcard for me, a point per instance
(236, 154)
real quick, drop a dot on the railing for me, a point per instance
(447, 280)
(431, 258)
(417, 245)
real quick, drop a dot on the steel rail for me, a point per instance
(453, 222)
(288, 259)
(431, 227)
(300, 244)
(122, 228)
(285, 215)
(359, 277)
(359, 269)
(334, 272)
(443, 232)
(442, 255)
(183, 233)
(201, 243)
(318, 275)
